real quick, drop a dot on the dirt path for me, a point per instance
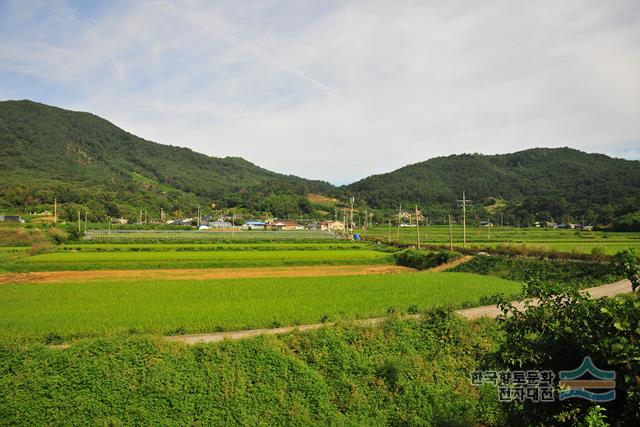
(611, 289)
(199, 273)
(448, 266)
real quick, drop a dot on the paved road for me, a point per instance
(611, 289)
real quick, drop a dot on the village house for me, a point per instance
(220, 224)
(283, 224)
(254, 225)
(331, 226)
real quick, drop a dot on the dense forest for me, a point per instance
(87, 162)
(546, 184)
(90, 164)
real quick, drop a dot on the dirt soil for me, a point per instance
(199, 274)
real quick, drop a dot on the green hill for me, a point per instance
(84, 160)
(540, 183)
(89, 163)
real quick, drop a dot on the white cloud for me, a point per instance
(341, 90)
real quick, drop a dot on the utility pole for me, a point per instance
(426, 229)
(55, 210)
(161, 214)
(198, 215)
(85, 222)
(389, 232)
(110, 221)
(450, 235)
(79, 229)
(463, 203)
(365, 224)
(417, 228)
(352, 199)
(399, 214)
(140, 217)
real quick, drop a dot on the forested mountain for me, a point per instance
(534, 184)
(90, 164)
(84, 160)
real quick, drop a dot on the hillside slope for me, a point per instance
(84, 159)
(534, 183)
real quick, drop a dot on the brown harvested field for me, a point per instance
(199, 274)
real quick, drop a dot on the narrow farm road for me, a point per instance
(611, 289)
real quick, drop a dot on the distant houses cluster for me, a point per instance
(563, 226)
(272, 225)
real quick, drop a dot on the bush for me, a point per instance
(628, 262)
(20, 236)
(40, 248)
(557, 334)
(423, 260)
(57, 235)
(628, 222)
(572, 273)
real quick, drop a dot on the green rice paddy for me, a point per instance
(68, 310)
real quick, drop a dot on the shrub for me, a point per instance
(557, 334)
(423, 260)
(57, 235)
(573, 273)
(40, 248)
(628, 263)
(20, 236)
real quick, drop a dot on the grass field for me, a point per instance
(113, 307)
(208, 236)
(561, 240)
(136, 257)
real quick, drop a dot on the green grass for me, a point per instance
(404, 373)
(562, 240)
(112, 307)
(259, 246)
(82, 260)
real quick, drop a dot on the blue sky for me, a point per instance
(336, 90)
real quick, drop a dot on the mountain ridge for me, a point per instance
(88, 162)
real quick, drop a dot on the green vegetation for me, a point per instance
(557, 334)
(539, 184)
(423, 260)
(133, 236)
(90, 164)
(117, 306)
(403, 373)
(525, 238)
(628, 262)
(98, 260)
(568, 273)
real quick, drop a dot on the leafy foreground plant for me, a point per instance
(557, 334)
(399, 373)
